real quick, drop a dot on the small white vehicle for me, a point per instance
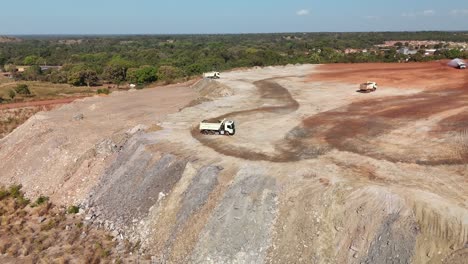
(457, 63)
(211, 75)
(220, 127)
(367, 87)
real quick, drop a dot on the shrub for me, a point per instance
(12, 94)
(4, 193)
(145, 74)
(40, 200)
(103, 91)
(168, 73)
(73, 209)
(22, 201)
(49, 225)
(15, 191)
(22, 89)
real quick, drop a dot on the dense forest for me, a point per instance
(90, 60)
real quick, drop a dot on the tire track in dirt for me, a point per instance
(352, 128)
(268, 90)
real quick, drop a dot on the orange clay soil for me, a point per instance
(428, 75)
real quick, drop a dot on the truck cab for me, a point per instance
(212, 75)
(368, 87)
(230, 127)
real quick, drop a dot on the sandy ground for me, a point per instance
(316, 173)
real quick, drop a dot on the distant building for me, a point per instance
(49, 67)
(407, 51)
(429, 52)
(21, 68)
(350, 51)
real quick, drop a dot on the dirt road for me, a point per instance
(316, 173)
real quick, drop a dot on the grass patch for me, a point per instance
(103, 91)
(12, 118)
(41, 200)
(73, 209)
(44, 90)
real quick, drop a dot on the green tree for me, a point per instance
(75, 78)
(32, 60)
(453, 53)
(194, 69)
(58, 76)
(142, 75)
(32, 73)
(2, 62)
(80, 76)
(315, 58)
(168, 73)
(116, 70)
(90, 78)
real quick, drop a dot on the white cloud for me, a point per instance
(459, 12)
(408, 14)
(303, 12)
(428, 12)
(372, 17)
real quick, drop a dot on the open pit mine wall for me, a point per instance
(183, 210)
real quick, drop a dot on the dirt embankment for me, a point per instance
(208, 90)
(63, 151)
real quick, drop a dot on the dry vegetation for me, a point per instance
(42, 90)
(12, 118)
(41, 232)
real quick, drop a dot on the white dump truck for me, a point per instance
(220, 127)
(211, 75)
(367, 87)
(457, 63)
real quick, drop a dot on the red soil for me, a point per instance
(430, 75)
(352, 128)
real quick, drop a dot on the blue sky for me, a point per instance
(238, 16)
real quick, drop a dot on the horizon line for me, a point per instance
(238, 33)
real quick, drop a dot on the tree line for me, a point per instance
(91, 60)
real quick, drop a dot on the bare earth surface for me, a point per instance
(316, 173)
